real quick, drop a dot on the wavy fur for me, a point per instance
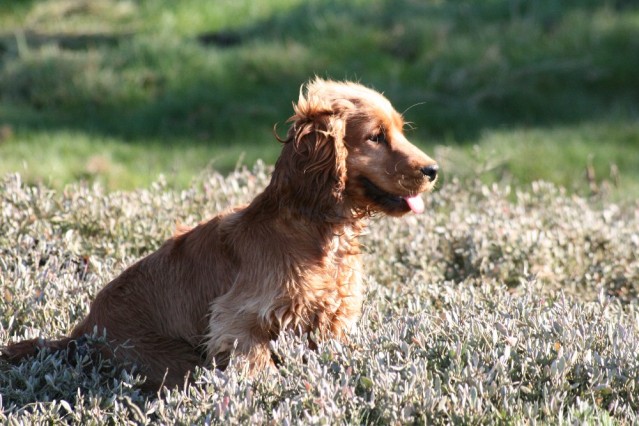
(288, 260)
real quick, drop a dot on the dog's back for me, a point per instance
(155, 312)
(289, 260)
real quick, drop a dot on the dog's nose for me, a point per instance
(430, 171)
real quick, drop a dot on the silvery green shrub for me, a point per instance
(495, 306)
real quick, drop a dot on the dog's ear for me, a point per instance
(319, 149)
(314, 155)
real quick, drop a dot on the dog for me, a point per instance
(289, 260)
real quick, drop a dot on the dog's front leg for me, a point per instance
(234, 328)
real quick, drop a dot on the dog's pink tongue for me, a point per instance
(415, 203)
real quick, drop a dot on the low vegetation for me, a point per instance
(510, 302)
(495, 306)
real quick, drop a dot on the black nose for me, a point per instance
(430, 171)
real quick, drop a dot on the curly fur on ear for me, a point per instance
(313, 162)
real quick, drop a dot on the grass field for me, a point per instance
(527, 314)
(121, 91)
(511, 301)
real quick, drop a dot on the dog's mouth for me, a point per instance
(391, 203)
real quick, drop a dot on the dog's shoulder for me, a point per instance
(180, 229)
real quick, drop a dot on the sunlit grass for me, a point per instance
(466, 319)
(559, 154)
(56, 158)
(542, 89)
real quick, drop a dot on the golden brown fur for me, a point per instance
(288, 260)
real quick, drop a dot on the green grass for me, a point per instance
(64, 156)
(528, 83)
(560, 154)
(526, 314)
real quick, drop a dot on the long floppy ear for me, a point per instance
(313, 160)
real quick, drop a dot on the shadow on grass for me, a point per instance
(67, 377)
(464, 66)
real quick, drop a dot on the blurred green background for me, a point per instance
(508, 90)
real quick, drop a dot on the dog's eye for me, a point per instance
(378, 138)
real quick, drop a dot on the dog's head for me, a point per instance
(347, 143)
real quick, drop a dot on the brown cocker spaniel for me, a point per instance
(288, 260)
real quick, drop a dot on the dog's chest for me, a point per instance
(325, 297)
